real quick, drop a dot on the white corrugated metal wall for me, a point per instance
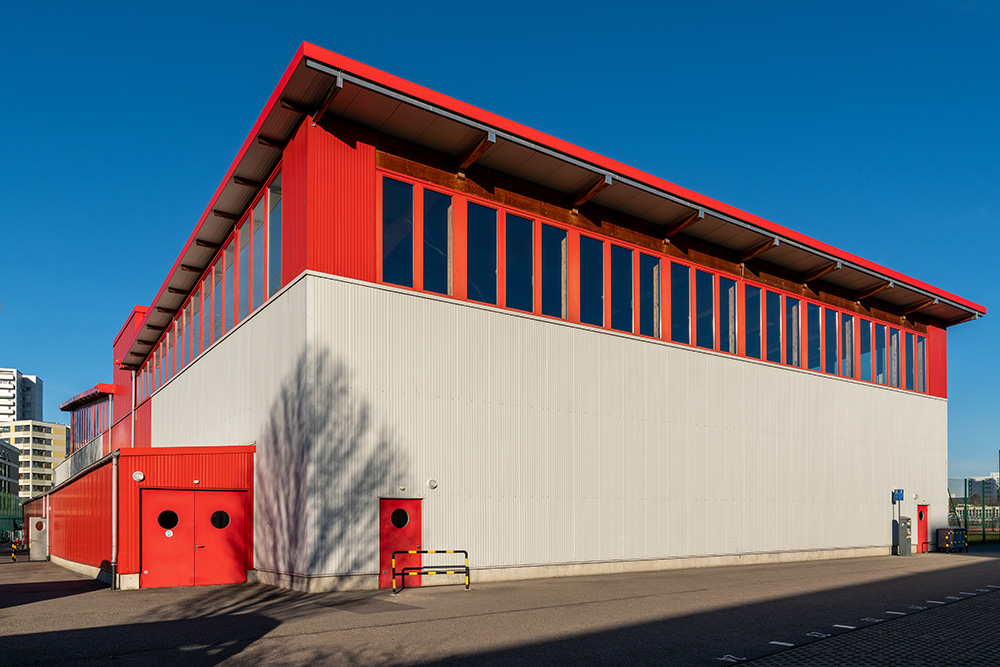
(551, 442)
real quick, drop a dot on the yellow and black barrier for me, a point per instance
(435, 569)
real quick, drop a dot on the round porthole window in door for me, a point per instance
(167, 519)
(220, 519)
(920, 516)
(400, 518)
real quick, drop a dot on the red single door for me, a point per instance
(399, 530)
(922, 545)
(167, 538)
(219, 537)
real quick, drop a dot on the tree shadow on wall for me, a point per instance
(322, 462)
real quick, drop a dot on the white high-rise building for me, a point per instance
(20, 396)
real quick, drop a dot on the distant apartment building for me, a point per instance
(20, 396)
(984, 488)
(41, 447)
(9, 464)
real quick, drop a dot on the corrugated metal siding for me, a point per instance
(121, 434)
(174, 471)
(247, 389)
(142, 415)
(341, 202)
(294, 192)
(80, 519)
(121, 377)
(551, 443)
(937, 357)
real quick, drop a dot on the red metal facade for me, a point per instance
(80, 519)
(937, 360)
(122, 378)
(294, 177)
(142, 425)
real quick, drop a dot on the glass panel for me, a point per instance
(921, 364)
(169, 340)
(894, 357)
(555, 272)
(881, 376)
(727, 315)
(793, 331)
(704, 285)
(865, 341)
(179, 340)
(591, 281)
(397, 232)
(910, 359)
(520, 263)
(621, 288)
(258, 227)
(832, 340)
(814, 342)
(751, 304)
(482, 258)
(187, 335)
(773, 314)
(217, 301)
(437, 242)
(244, 264)
(847, 345)
(274, 236)
(229, 305)
(206, 318)
(649, 295)
(680, 303)
(196, 323)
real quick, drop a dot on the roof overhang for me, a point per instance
(93, 395)
(322, 83)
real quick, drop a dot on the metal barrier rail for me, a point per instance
(435, 569)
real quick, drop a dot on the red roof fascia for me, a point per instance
(92, 395)
(275, 97)
(172, 451)
(487, 118)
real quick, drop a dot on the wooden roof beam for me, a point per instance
(166, 311)
(595, 189)
(179, 292)
(271, 143)
(821, 271)
(872, 291)
(747, 255)
(224, 215)
(201, 243)
(965, 318)
(909, 310)
(476, 152)
(683, 223)
(294, 107)
(247, 183)
(337, 86)
(191, 269)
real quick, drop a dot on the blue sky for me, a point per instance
(872, 127)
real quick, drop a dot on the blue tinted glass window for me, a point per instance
(621, 288)
(397, 232)
(865, 342)
(649, 296)
(727, 315)
(704, 285)
(751, 303)
(894, 357)
(482, 257)
(832, 340)
(591, 281)
(680, 303)
(520, 263)
(793, 331)
(910, 358)
(881, 372)
(847, 345)
(274, 235)
(921, 364)
(814, 332)
(437, 242)
(555, 272)
(773, 315)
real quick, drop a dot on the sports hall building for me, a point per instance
(403, 322)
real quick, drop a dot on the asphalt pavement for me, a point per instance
(931, 609)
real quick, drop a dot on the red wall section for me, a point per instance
(122, 379)
(178, 468)
(143, 424)
(341, 202)
(121, 433)
(294, 175)
(80, 519)
(937, 362)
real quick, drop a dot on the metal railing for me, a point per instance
(429, 569)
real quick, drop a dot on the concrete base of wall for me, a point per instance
(319, 584)
(125, 581)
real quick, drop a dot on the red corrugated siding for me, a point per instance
(121, 433)
(937, 362)
(341, 202)
(175, 468)
(294, 173)
(80, 519)
(123, 378)
(143, 424)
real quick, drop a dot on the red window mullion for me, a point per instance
(418, 238)
(607, 283)
(460, 246)
(501, 258)
(378, 229)
(573, 240)
(636, 322)
(536, 275)
(665, 332)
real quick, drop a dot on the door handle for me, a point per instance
(199, 546)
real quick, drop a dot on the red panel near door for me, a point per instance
(167, 538)
(220, 537)
(399, 530)
(922, 546)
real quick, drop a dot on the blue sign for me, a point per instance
(897, 495)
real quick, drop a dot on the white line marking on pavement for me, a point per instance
(820, 635)
(873, 620)
(991, 586)
(730, 658)
(952, 597)
(964, 593)
(897, 613)
(983, 590)
(917, 607)
(782, 644)
(936, 602)
(847, 627)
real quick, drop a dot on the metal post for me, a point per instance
(965, 507)
(984, 512)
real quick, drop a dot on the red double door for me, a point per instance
(192, 538)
